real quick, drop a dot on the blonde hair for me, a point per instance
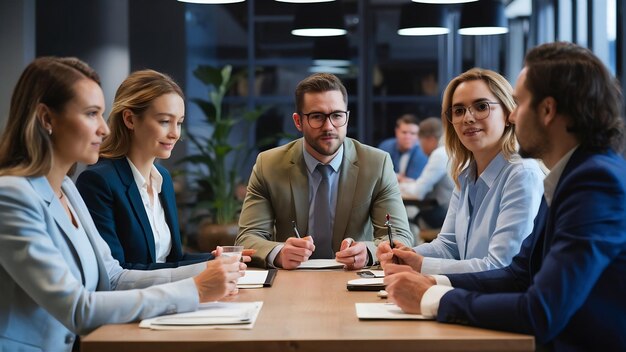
(136, 94)
(460, 156)
(25, 145)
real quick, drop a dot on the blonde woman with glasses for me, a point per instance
(497, 193)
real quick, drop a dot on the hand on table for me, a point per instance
(352, 254)
(406, 288)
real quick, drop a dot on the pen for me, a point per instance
(388, 224)
(295, 229)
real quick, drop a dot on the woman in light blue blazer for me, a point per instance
(497, 194)
(57, 274)
(130, 198)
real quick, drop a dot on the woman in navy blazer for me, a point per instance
(57, 273)
(137, 219)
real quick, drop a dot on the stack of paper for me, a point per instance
(384, 311)
(214, 315)
(320, 264)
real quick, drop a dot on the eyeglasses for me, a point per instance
(480, 110)
(317, 119)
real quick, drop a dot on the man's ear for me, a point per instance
(547, 110)
(127, 116)
(297, 121)
(44, 116)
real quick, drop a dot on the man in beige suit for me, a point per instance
(336, 190)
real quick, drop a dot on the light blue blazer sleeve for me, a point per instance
(491, 240)
(44, 300)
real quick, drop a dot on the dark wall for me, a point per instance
(157, 37)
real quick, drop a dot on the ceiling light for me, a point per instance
(323, 19)
(211, 1)
(329, 69)
(484, 17)
(422, 19)
(304, 1)
(443, 1)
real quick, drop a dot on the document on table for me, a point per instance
(384, 311)
(214, 315)
(320, 264)
(257, 278)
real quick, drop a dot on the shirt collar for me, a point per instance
(311, 162)
(492, 171)
(155, 176)
(552, 180)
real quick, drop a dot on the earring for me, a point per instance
(49, 131)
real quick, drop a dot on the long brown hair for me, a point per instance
(136, 94)
(461, 157)
(25, 145)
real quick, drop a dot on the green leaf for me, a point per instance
(209, 75)
(207, 108)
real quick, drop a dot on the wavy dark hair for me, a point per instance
(584, 90)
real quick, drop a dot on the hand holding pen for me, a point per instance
(296, 250)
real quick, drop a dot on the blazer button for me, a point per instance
(69, 338)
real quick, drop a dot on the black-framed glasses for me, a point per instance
(480, 110)
(317, 119)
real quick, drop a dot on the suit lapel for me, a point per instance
(168, 201)
(42, 187)
(298, 180)
(345, 193)
(134, 198)
(573, 162)
(90, 230)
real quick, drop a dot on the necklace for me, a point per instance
(61, 196)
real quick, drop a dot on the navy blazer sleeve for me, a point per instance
(120, 230)
(568, 283)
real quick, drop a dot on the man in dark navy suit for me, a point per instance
(568, 283)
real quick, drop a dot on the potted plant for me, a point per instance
(216, 161)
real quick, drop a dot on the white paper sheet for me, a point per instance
(384, 311)
(214, 315)
(367, 281)
(320, 264)
(252, 279)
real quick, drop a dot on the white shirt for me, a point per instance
(155, 212)
(434, 182)
(432, 296)
(404, 162)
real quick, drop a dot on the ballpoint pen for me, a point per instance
(388, 224)
(295, 229)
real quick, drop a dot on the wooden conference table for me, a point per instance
(309, 311)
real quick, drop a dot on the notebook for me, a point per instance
(257, 278)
